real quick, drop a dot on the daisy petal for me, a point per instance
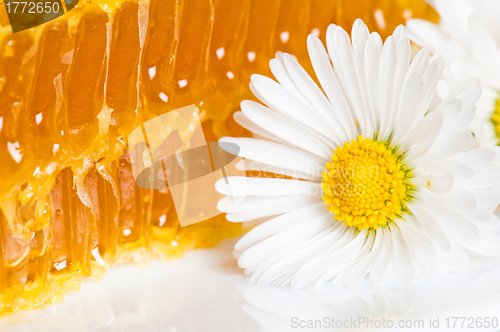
(280, 223)
(330, 84)
(252, 203)
(422, 137)
(246, 123)
(454, 223)
(278, 242)
(243, 186)
(278, 155)
(315, 96)
(431, 227)
(426, 34)
(284, 129)
(285, 103)
(408, 106)
(402, 252)
(280, 207)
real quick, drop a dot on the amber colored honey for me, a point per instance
(73, 89)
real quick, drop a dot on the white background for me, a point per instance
(206, 291)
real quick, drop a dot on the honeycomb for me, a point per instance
(72, 90)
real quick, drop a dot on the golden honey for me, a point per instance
(72, 90)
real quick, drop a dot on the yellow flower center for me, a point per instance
(366, 185)
(495, 118)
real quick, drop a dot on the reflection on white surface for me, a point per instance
(206, 291)
(277, 309)
(196, 293)
(475, 295)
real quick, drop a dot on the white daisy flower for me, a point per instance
(473, 28)
(380, 188)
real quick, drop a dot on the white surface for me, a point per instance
(206, 291)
